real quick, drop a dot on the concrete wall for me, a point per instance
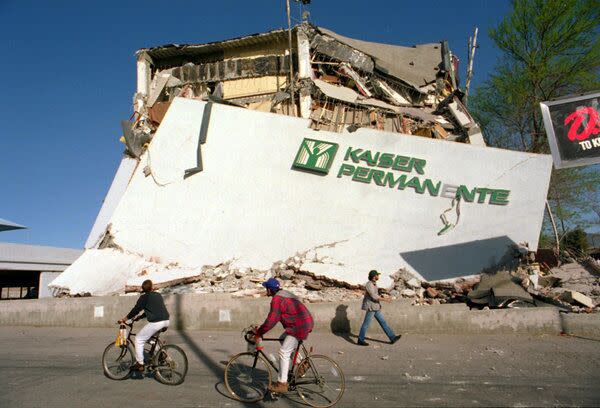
(250, 207)
(221, 312)
(45, 279)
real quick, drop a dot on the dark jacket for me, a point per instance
(153, 306)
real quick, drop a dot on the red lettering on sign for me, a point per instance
(580, 116)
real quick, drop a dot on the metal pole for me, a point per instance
(287, 2)
(472, 46)
(555, 232)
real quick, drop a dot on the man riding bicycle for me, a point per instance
(297, 322)
(158, 318)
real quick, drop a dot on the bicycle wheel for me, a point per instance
(117, 361)
(171, 364)
(246, 380)
(319, 381)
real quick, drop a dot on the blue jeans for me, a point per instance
(379, 316)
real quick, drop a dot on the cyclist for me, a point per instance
(297, 322)
(158, 318)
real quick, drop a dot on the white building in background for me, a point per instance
(26, 270)
(367, 159)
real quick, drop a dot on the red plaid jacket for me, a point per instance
(293, 315)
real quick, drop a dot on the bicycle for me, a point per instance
(168, 362)
(317, 379)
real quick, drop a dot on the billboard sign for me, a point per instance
(573, 128)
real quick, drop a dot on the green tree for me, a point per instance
(576, 242)
(550, 48)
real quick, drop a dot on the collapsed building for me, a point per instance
(339, 83)
(228, 159)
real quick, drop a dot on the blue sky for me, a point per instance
(68, 70)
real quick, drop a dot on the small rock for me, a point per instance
(431, 292)
(314, 285)
(385, 357)
(286, 274)
(296, 259)
(408, 293)
(413, 283)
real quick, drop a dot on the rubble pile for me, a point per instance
(574, 286)
(517, 281)
(339, 83)
(246, 283)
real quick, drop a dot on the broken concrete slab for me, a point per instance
(250, 183)
(577, 298)
(417, 65)
(341, 52)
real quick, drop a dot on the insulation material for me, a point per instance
(240, 88)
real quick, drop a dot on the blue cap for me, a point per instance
(272, 284)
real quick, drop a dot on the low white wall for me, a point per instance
(251, 207)
(45, 279)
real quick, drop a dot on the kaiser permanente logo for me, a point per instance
(391, 171)
(315, 155)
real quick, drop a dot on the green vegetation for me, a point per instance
(550, 48)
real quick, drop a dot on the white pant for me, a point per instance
(143, 335)
(288, 346)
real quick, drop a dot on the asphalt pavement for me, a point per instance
(60, 367)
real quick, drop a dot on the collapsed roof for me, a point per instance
(339, 83)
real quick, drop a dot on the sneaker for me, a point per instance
(137, 367)
(362, 343)
(278, 387)
(395, 339)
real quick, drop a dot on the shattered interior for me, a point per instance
(339, 83)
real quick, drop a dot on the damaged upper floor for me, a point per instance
(339, 83)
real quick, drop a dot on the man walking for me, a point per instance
(372, 305)
(295, 319)
(158, 318)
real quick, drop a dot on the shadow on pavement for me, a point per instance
(217, 368)
(340, 326)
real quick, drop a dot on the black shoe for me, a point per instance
(137, 367)
(395, 339)
(362, 343)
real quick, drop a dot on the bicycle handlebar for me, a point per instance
(249, 336)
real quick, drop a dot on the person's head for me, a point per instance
(147, 286)
(373, 275)
(272, 286)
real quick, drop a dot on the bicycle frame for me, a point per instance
(154, 344)
(292, 381)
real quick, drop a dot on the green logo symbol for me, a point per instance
(315, 155)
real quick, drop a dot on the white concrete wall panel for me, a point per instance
(250, 206)
(116, 191)
(46, 278)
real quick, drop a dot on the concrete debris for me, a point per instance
(413, 283)
(574, 286)
(574, 297)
